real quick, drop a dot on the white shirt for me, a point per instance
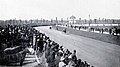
(61, 64)
(31, 50)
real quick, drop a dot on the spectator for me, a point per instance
(74, 57)
(57, 60)
(78, 64)
(110, 31)
(51, 59)
(61, 63)
(71, 63)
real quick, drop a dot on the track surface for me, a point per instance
(97, 53)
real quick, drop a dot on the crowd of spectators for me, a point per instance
(55, 54)
(16, 35)
(13, 41)
(111, 30)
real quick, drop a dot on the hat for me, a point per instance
(62, 58)
(70, 56)
(60, 51)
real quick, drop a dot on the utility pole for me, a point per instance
(56, 21)
(89, 19)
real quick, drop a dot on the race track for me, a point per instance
(97, 53)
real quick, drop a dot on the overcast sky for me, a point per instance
(33, 9)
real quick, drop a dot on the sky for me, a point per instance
(50, 9)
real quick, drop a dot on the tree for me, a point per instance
(95, 20)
